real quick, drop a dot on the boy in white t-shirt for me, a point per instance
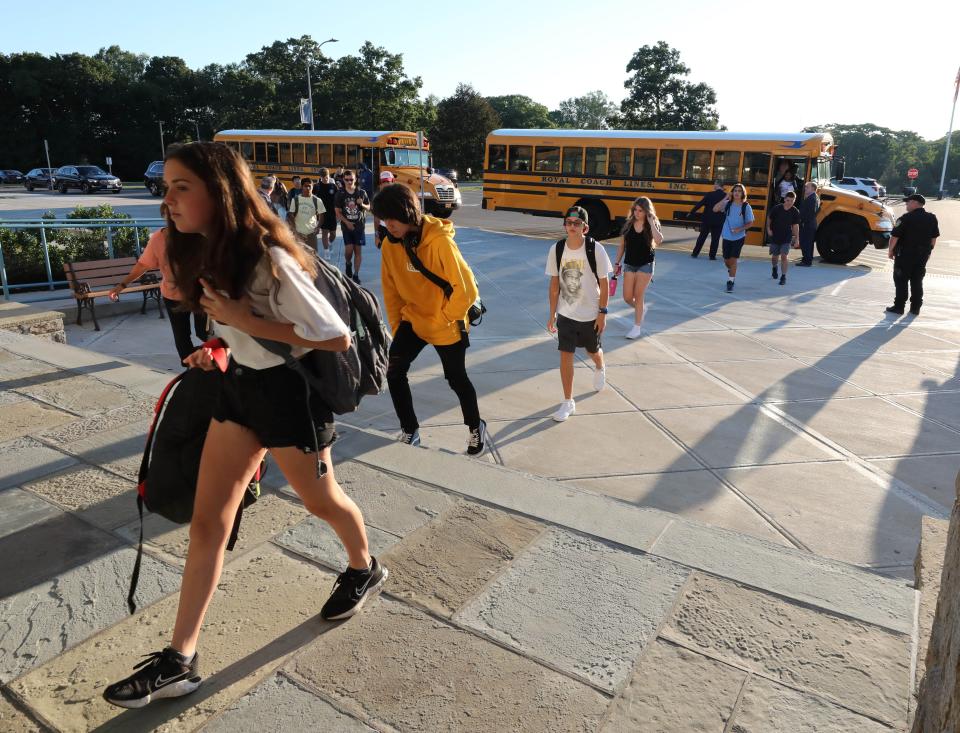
(579, 291)
(306, 214)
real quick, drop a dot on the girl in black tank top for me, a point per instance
(641, 235)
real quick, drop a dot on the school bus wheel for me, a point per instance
(841, 241)
(599, 218)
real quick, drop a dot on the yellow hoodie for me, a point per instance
(409, 296)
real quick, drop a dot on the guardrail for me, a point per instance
(43, 225)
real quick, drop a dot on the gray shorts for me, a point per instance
(780, 249)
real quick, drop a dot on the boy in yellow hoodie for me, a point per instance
(420, 312)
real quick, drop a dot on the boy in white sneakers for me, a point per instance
(579, 269)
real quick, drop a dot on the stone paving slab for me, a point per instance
(92, 428)
(944, 408)
(43, 620)
(895, 338)
(583, 607)
(13, 721)
(783, 641)
(119, 449)
(279, 704)
(887, 374)
(873, 428)
(805, 341)
(717, 346)
(865, 523)
(932, 476)
(25, 459)
(20, 509)
(396, 666)
(444, 563)
(696, 495)
(675, 690)
(730, 435)
(489, 355)
(946, 362)
(315, 539)
(783, 380)
(27, 417)
(670, 385)
(767, 707)
(101, 498)
(79, 394)
(264, 610)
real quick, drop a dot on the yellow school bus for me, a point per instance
(289, 153)
(544, 172)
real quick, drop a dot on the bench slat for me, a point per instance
(127, 262)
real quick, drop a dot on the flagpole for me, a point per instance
(310, 95)
(946, 155)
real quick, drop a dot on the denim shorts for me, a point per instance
(647, 268)
(779, 249)
(732, 247)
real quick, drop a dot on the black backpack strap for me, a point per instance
(415, 260)
(591, 247)
(743, 212)
(559, 252)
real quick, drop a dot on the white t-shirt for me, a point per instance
(785, 187)
(579, 291)
(306, 213)
(295, 299)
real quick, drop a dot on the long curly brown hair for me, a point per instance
(244, 227)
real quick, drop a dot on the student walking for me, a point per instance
(712, 222)
(352, 205)
(738, 218)
(637, 251)
(783, 229)
(234, 260)
(579, 269)
(326, 190)
(809, 208)
(911, 244)
(386, 178)
(422, 313)
(306, 213)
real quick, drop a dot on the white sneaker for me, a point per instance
(599, 378)
(566, 409)
(635, 332)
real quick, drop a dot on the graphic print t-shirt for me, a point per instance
(349, 204)
(579, 293)
(307, 210)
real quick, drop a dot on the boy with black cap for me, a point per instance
(911, 242)
(578, 302)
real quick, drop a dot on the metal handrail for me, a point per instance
(44, 224)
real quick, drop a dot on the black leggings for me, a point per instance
(180, 323)
(405, 348)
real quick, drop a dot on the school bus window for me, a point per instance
(595, 163)
(285, 153)
(671, 163)
(498, 158)
(573, 161)
(339, 154)
(272, 154)
(619, 164)
(323, 155)
(756, 169)
(520, 156)
(547, 160)
(353, 156)
(261, 152)
(246, 150)
(726, 163)
(296, 150)
(310, 154)
(644, 163)
(698, 165)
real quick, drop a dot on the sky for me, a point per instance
(775, 66)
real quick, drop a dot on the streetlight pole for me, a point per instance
(946, 155)
(197, 126)
(163, 147)
(310, 85)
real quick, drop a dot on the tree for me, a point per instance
(660, 98)
(519, 112)
(463, 122)
(592, 111)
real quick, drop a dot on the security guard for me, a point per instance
(911, 242)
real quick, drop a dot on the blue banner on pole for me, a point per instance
(306, 111)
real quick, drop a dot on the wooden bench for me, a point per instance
(94, 279)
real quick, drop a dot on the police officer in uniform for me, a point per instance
(911, 242)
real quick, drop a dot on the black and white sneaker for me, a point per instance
(478, 438)
(410, 438)
(775, 273)
(352, 589)
(159, 675)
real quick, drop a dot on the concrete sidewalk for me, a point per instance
(681, 555)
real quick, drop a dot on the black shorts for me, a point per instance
(732, 247)
(571, 334)
(270, 403)
(329, 221)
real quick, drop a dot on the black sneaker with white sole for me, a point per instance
(160, 675)
(478, 439)
(352, 589)
(410, 438)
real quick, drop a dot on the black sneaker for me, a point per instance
(478, 438)
(349, 271)
(775, 273)
(783, 279)
(410, 438)
(729, 286)
(352, 589)
(894, 309)
(356, 278)
(161, 674)
(914, 311)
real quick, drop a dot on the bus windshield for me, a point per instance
(406, 157)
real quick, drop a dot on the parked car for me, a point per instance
(153, 178)
(87, 178)
(11, 176)
(868, 187)
(449, 173)
(37, 178)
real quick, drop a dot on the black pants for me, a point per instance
(405, 348)
(714, 231)
(808, 233)
(180, 323)
(909, 269)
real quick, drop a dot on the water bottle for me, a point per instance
(613, 280)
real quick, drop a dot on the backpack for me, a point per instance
(590, 244)
(167, 479)
(296, 205)
(743, 210)
(474, 312)
(341, 379)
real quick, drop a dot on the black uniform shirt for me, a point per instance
(915, 230)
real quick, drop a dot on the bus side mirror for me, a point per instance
(839, 166)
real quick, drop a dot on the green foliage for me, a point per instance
(463, 122)
(660, 98)
(519, 112)
(592, 111)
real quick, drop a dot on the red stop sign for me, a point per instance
(912, 173)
